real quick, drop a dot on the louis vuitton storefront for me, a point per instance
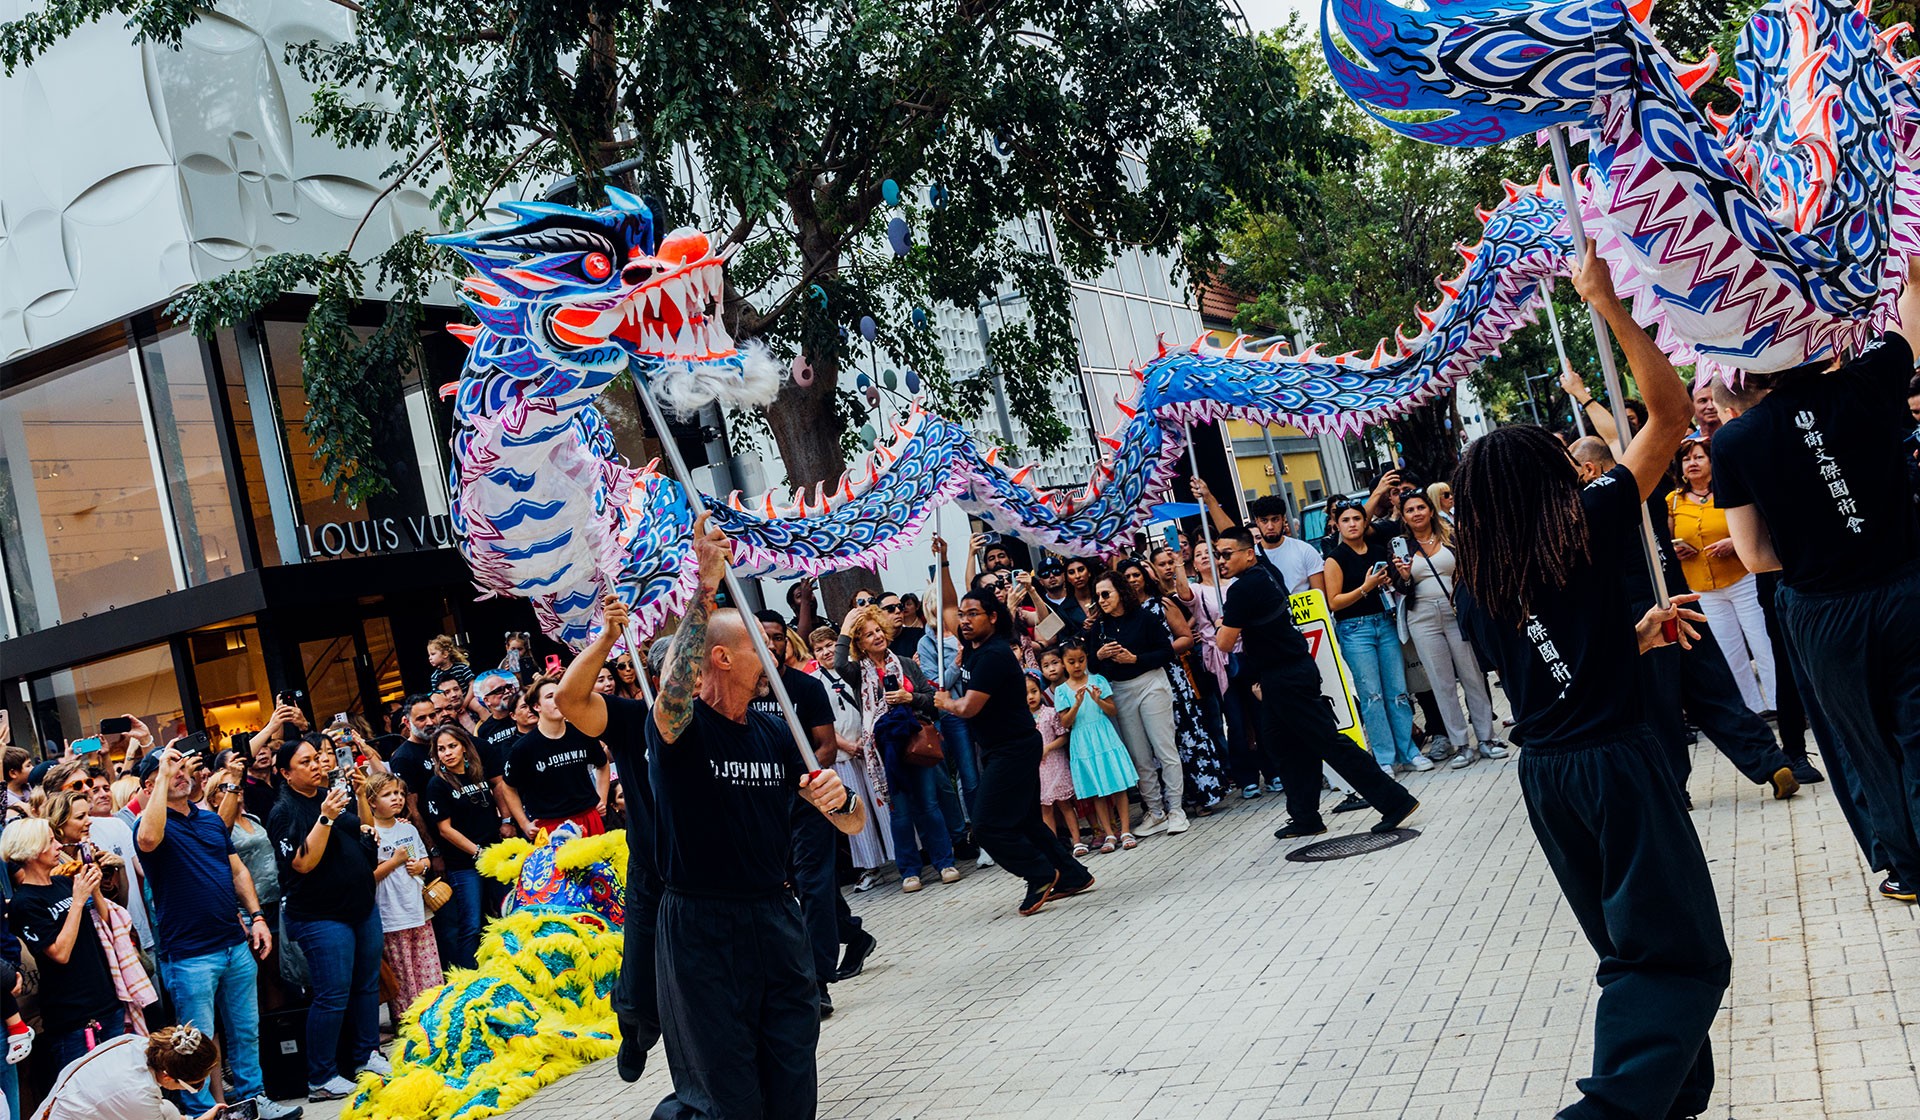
(167, 548)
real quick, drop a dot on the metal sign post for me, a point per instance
(1560, 347)
(1206, 520)
(678, 465)
(1563, 167)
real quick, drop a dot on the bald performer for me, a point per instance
(1693, 681)
(739, 1001)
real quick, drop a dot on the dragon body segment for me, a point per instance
(568, 300)
(1758, 241)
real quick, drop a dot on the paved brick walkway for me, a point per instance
(1442, 978)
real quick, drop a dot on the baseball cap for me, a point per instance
(147, 766)
(1049, 565)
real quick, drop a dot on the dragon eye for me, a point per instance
(596, 266)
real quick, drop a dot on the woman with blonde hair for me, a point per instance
(56, 916)
(449, 662)
(894, 696)
(124, 1079)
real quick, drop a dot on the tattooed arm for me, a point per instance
(687, 655)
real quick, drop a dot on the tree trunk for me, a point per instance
(1430, 448)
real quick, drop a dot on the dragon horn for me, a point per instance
(465, 332)
(1235, 347)
(1124, 407)
(1020, 476)
(1271, 353)
(733, 502)
(993, 456)
(1695, 74)
(771, 512)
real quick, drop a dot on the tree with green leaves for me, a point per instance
(781, 123)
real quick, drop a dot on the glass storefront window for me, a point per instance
(230, 672)
(313, 498)
(71, 703)
(84, 525)
(188, 431)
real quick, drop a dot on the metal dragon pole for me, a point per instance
(1616, 397)
(1206, 521)
(639, 663)
(1560, 347)
(678, 465)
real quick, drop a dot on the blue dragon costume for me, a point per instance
(567, 300)
(536, 1007)
(1757, 241)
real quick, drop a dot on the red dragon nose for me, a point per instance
(683, 245)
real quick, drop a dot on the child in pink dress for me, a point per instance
(1056, 775)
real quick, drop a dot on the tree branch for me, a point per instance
(387, 190)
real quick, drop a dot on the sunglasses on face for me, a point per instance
(890, 606)
(863, 602)
(1226, 553)
(1108, 595)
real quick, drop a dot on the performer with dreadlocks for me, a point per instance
(1540, 598)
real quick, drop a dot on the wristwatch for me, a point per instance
(256, 916)
(229, 787)
(846, 807)
(326, 822)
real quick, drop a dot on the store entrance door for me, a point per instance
(335, 667)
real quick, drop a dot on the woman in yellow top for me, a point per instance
(1728, 592)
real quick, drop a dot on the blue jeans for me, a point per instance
(1371, 646)
(10, 1085)
(220, 989)
(343, 1024)
(966, 764)
(916, 820)
(73, 1044)
(461, 916)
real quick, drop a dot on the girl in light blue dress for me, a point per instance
(1102, 769)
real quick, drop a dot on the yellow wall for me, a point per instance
(1302, 466)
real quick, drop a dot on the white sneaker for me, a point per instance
(375, 1064)
(985, 860)
(1177, 823)
(1492, 749)
(270, 1109)
(1462, 760)
(1389, 771)
(1421, 763)
(867, 882)
(336, 1088)
(1155, 823)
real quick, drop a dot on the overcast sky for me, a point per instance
(1267, 14)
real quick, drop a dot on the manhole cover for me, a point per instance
(1358, 844)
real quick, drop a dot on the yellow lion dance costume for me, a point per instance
(536, 1009)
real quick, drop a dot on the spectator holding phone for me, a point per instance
(126, 1078)
(888, 683)
(459, 805)
(207, 958)
(326, 873)
(1359, 569)
(54, 916)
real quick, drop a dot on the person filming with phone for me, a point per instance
(126, 1079)
(1359, 573)
(208, 960)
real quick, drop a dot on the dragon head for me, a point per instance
(600, 290)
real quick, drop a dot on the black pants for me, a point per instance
(1860, 657)
(739, 1007)
(1296, 725)
(1006, 819)
(1617, 835)
(1697, 683)
(636, 994)
(1789, 711)
(1248, 755)
(813, 883)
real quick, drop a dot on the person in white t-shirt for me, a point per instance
(1300, 564)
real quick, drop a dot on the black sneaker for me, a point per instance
(1081, 887)
(1293, 830)
(1806, 774)
(1893, 888)
(632, 1059)
(1352, 802)
(1037, 895)
(1784, 784)
(826, 1003)
(855, 960)
(1390, 821)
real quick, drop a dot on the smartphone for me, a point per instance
(116, 725)
(289, 697)
(1399, 546)
(197, 743)
(1173, 536)
(248, 1109)
(553, 664)
(340, 719)
(890, 683)
(1380, 568)
(342, 761)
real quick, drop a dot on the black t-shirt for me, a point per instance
(1353, 572)
(466, 803)
(1570, 667)
(495, 740)
(723, 803)
(1262, 611)
(257, 796)
(1821, 458)
(410, 763)
(626, 737)
(1141, 632)
(906, 641)
(80, 991)
(809, 697)
(340, 886)
(991, 668)
(1071, 615)
(1636, 575)
(555, 777)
